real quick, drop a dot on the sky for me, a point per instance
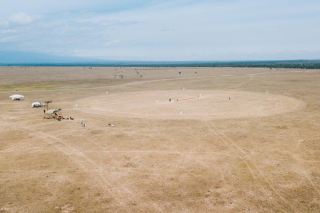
(163, 30)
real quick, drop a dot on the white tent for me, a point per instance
(16, 97)
(36, 104)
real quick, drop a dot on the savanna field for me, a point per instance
(160, 140)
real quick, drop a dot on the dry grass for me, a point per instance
(147, 164)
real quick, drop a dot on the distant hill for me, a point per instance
(14, 57)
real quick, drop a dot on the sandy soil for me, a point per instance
(189, 104)
(257, 152)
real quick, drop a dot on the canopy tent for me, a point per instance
(16, 97)
(36, 104)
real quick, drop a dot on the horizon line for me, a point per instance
(296, 63)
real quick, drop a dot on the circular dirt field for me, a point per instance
(189, 104)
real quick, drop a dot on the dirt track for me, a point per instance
(154, 161)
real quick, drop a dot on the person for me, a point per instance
(83, 123)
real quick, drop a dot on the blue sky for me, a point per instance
(163, 29)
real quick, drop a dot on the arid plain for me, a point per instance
(160, 140)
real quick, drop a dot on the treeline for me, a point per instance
(301, 64)
(314, 64)
(298, 64)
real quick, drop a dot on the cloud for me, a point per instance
(165, 30)
(21, 18)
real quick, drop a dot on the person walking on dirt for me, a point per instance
(83, 124)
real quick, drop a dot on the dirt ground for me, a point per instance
(160, 140)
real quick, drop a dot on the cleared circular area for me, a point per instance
(189, 104)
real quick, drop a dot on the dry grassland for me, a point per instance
(230, 140)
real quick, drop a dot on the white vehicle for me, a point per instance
(17, 97)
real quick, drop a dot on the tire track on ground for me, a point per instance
(87, 165)
(254, 171)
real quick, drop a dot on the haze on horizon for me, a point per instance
(162, 29)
